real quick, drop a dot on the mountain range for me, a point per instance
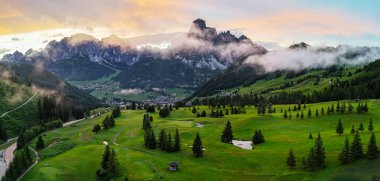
(190, 61)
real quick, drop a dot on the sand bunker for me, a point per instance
(242, 144)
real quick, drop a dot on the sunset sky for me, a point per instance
(27, 23)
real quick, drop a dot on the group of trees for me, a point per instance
(263, 109)
(165, 141)
(3, 131)
(108, 122)
(217, 113)
(340, 129)
(203, 114)
(21, 162)
(28, 134)
(354, 151)
(50, 109)
(109, 165)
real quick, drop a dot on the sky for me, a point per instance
(28, 24)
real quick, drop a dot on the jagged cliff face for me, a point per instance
(192, 58)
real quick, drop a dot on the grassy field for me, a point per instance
(74, 152)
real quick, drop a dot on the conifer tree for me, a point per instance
(353, 129)
(338, 107)
(319, 153)
(285, 115)
(345, 156)
(372, 151)
(356, 147)
(309, 113)
(169, 143)
(310, 136)
(322, 111)
(194, 110)
(328, 110)
(161, 137)
(361, 127)
(152, 140)
(291, 161)
(177, 141)
(302, 116)
(40, 144)
(96, 128)
(350, 108)
(197, 146)
(112, 165)
(339, 127)
(316, 113)
(370, 126)
(105, 158)
(227, 135)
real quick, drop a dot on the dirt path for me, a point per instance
(114, 138)
(26, 102)
(72, 122)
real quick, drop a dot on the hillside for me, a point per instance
(334, 83)
(221, 161)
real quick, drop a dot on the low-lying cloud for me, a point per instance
(312, 57)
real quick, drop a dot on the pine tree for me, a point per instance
(310, 136)
(112, 164)
(106, 122)
(339, 128)
(194, 110)
(372, 151)
(96, 128)
(197, 146)
(161, 137)
(338, 107)
(227, 135)
(322, 111)
(169, 143)
(177, 141)
(105, 159)
(361, 127)
(285, 115)
(357, 147)
(40, 144)
(297, 115)
(370, 126)
(328, 110)
(261, 137)
(353, 129)
(309, 113)
(291, 160)
(152, 140)
(345, 156)
(316, 113)
(302, 116)
(147, 137)
(319, 153)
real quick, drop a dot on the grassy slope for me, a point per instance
(221, 161)
(306, 86)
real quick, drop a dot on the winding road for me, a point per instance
(8, 152)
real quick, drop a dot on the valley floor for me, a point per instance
(74, 152)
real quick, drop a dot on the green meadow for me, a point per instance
(74, 152)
